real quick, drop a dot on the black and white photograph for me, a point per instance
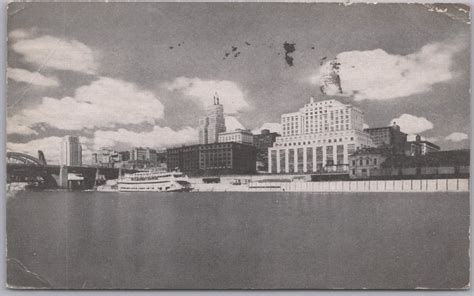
(237, 145)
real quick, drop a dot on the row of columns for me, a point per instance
(305, 158)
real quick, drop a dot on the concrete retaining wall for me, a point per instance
(423, 185)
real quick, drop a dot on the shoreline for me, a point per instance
(380, 186)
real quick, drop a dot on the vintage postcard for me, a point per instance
(238, 146)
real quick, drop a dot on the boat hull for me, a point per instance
(153, 188)
(154, 182)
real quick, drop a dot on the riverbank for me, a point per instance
(418, 185)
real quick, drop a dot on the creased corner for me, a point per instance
(20, 277)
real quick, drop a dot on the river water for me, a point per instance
(238, 240)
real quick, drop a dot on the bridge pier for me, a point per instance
(63, 177)
(96, 179)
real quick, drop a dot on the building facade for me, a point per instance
(388, 137)
(437, 164)
(139, 158)
(238, 136)
(185, 159)
(106, 158)
(139, 153)
(212, 124)
(419, 147)
(318, 138)
(124, 155)
(262, 142)
(367, 162)
(213, 159)
(70, 151)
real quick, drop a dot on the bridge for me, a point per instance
(22, 167)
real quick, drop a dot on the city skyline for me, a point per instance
(145, 80)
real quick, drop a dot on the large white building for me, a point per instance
(318, 138)
(239, 136)
(71, 151)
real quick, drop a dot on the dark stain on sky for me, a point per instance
(289, 48)
(234, 48)
(237, 54)
(322, 60)
(246, 43)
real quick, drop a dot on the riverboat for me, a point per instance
(154, 181)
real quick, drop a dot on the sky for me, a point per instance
(121, 75)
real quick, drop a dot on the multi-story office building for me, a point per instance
(262, 142)
(238, 136)
(106, 158)
(71, 151)
(428, 147)
(139, 158)
(318, 138)
(213, 159)
(161, 156)
(212, 124)
(389, 137)
(185, 159)
(140, 153)
(419, 147)
(124, 155)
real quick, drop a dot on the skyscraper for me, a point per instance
(212, 124)
(71, 151)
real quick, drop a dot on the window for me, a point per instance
(367, 161)
(375, 161)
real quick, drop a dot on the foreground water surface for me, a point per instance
(238, 240)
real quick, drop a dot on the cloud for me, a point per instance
(49, 145)
(457, 137)
(104, 103)
(19, 128)
(51, 52)
(202, 92)
(21, 33)
(365, 125)
(274, 127)
(411, 124)
(232, 123)
(378, 75)
(159, 137)
(34, 78)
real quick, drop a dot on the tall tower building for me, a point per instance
(71, 151)
(212, 124)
